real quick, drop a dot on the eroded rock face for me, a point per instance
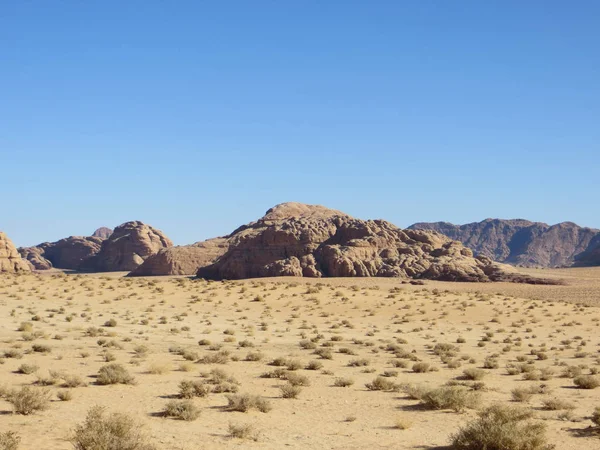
(68, 253)
(10, 259)
(293, 239)
(102, 233)
(35, 257)
(522, 243)
(129, 245)
(183, 260)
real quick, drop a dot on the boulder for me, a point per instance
(10, 259)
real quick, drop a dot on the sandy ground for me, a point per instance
(380, 325)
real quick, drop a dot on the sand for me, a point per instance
(359, 320)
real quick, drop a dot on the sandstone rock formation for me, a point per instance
(35, 257)
(102, 233)
(293, 239)
(522, 243)
(183, 260)
(10, 259)
(127, 248)
(68, 253)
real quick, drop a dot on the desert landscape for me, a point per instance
(366, 345)
(338, 225)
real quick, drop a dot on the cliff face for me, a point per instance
(524, 243)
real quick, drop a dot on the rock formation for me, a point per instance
(129, 245)
(183, 260)
(523, 243)
(68, 253)
(102, 233)
(10, 259)
(293, 239)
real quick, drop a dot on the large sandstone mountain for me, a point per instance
(524, 243)
(10, 259)
(294, 239)
(129, 245)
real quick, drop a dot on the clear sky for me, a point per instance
(197, 116)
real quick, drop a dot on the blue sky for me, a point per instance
(196, 117)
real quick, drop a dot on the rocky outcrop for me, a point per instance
(35, 257)
(68, 253)
(523, 243)
(293, 239)
(102, 233)
(10, 259)
(129, 245)
(184, 260)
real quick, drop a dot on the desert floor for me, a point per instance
(535, 339)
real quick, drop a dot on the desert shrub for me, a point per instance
(41, 348)
(246, 402)
(502, 428)
(242, 431)
(522, 394)
(290, 390)
(191, 389)
(28, 400)
(474, 374)
(114, 374)
(100, 431)
(297, 379)
(64, 396)
(402, 423)
(255, 356)
(556, 404)
(343, 382)
(182, 410)
(314, 365)
(221, 357)
(382, 384)
(421, 367)
(27, 369)
(596, 416)
(586, 382)
(158, 368)
(9, 440)
(71, 381)
(13, 353)
(110, 323)
(363, 362)
(456, 398)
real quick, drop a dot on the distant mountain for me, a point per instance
(524, 243)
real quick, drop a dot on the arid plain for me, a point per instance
(367, 359)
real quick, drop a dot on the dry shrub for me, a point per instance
(243, 431)
(382, 384)
(109, 432)
(114, 374)
(586, 382)
(343, 382)
(290, 390)
(246, 402)
(456, 398)
(182, 409)
(9, 440)
(474, 374)
(191, 389)
(502, 428)
(29, 400)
